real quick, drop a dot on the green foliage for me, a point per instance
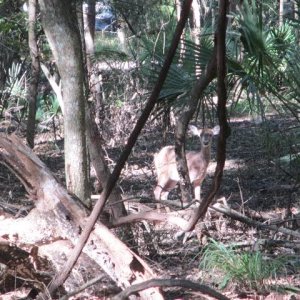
(243, 107)
(47, 108)
(108, 47)
(14, 92)
(147, 18)
(248, 269)
(261, 58)
(13, 29)
(16, 83)
(190, 59)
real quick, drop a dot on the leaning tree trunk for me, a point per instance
(61, 28)
(35, 71)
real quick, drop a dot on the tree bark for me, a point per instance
(97, 157)
(196, 22)
(280, 12)
(61, 28)
(94, 138)
(96, 152)
(93, 79)
(35, 71)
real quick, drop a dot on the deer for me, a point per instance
(197, 163)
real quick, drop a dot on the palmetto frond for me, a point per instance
(262, 61)
(190, 61)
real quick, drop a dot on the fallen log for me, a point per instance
(58, 217)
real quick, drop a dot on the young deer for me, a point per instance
(197, 162)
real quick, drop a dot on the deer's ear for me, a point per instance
(194, 130)
(216, 130)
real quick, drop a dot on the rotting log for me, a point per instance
(58, 217)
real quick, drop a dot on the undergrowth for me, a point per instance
(249, 270)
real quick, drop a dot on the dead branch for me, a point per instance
(83, 287)
(238, 216)
(152, 216)
(204, 289)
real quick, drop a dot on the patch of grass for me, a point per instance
(248, 269)
(108, 46)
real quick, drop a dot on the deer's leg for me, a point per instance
(162, 191)
(197, 191)
(160, 194)
(157, 192)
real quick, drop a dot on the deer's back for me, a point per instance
(165, 164)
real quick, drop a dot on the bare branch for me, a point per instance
(83, 287)
(152, 216)
(204, 289)
(238, 216)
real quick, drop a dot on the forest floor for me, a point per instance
(254, 178)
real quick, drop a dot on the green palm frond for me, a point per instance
(250, 28)
(259, 58)
(190, 59)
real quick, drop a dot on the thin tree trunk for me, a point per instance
(196, 24)
(94, 138)
(222, 115)
(94, 81)
(196, 28)
(281, 5)
(61, 28)
(182, 125)
(97, 156)
(35, 71)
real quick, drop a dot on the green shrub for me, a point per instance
(248, 269)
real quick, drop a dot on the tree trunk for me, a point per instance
(112, 180)
(281, 7)
(94, 138)
(97, 157)
(196, 20)
(35, 71)
(196, 28)
(220, 45)
(93, 78)
(96, 152)
(61, 28)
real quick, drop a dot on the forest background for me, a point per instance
(90, 90)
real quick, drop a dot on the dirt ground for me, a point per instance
(254, 178)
